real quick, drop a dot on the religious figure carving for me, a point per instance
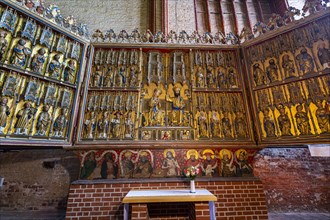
(108, 77)
(20, 53)
(43, 121)
(24, 117)
(60, 123)
(288, 67)
(178, 105)
(323, 54)
(222, 79)
(322, 117)
(258, 75)
(103, 125)
(272, 71)
(54, 68)
(38, 61)
(215, 124)
(202, 124)
(210, 78)
(4, 113)
(170, 164)
(69, 72)
(200, 78)
(97, 76)
(116, 125)
(129, 125)
(302, 121)
(284, 121)
(269, 125)
(240, 125)
(3, 44)
(226, 125)
(155, 115)
(90, 125)
(232, 78)
(133, 77)
(305, 61)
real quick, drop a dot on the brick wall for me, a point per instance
(36, 179)
(236, 199)
(293, 180)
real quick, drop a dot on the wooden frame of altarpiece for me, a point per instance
(42, 66)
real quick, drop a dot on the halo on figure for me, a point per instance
(206, 152)
(169, 150)
(241, 152)
(143, 153)
(225, 152)
(192, 152)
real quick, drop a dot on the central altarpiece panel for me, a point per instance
(160, 93)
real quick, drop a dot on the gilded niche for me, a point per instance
(163, 95)
(144, 163)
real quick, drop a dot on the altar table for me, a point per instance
(169, 195)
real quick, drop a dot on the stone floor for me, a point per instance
(60, 215)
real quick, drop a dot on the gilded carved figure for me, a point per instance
(170, 164)
(44, 120)
(215, 124)
(38, 61)
(232, 78)
(210, 78)
(133, 77)
(69, 72)
(288, 67)
(4, 113)
(302, 121)
(305, 62)
(323, 117)
(55, 66)
(202, 124)
(269, 124)
(178, 105)
(240, 125)
(200, 78)
(323, 53)
(116, 129)
(3, 44)
(272, 71)
(20, 53)
(97, 76)
(222, 79)
(226, 125)
(155, 114)
(108, 77)
(24, 117)
(284, 121)
(103, 125)
(129, 125)
(259, 75)
(90, 125)
(60, 123)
